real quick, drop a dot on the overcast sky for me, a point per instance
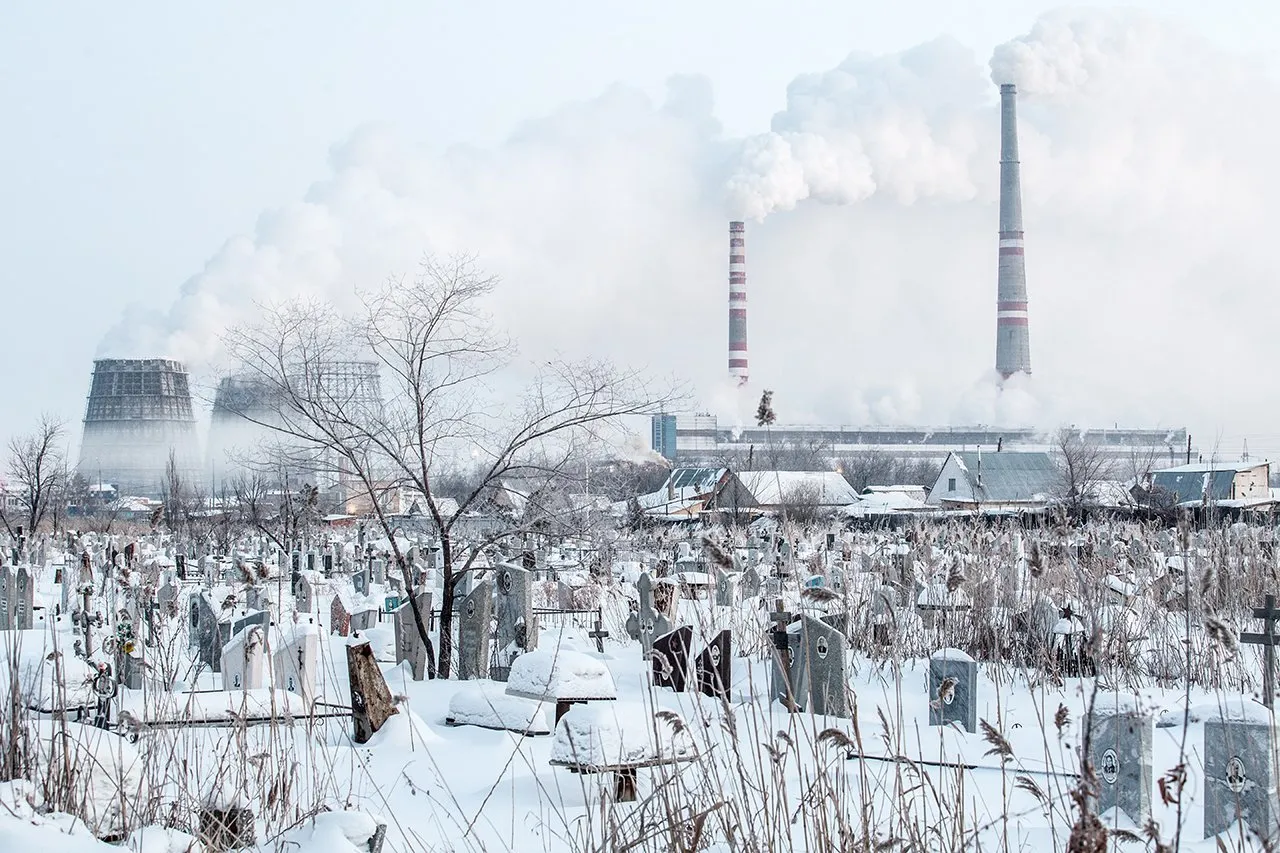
(139, 138)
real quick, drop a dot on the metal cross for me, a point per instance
(1267, 639)
(599, 635)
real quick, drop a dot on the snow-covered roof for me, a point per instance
(1009, 476)
(773, 488)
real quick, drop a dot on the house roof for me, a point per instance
(684, 486)
(1009, 476)
(1195, 485)
(1213, 467)
(772, 488)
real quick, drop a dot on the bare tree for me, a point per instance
(1083, 467)
(38, 470)
(440, 361)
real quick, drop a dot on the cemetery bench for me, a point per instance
(619, 740)
(624, 773)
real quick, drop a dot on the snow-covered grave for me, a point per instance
(487, 705)
(560, 675)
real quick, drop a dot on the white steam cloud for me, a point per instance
(1148, 178)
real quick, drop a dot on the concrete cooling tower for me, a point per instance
(244, 407)
(139, 414)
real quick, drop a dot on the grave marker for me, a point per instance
(473, 632)
(1267, 639)
(1120, 751)
(713, 667)
(1239, 776)
(953, 689)
(371, 703)
(825, 650)
(409, 644)
(670, 659)
(517, 627)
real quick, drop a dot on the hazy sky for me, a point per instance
(138, 138)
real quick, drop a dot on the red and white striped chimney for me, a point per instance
(738, 301)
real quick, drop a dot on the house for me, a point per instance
(1240, 484)
(773, 491)
(1008, 480)
(687, 492)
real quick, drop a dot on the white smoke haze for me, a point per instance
(871, 258)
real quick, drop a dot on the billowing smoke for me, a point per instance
(1147, 178)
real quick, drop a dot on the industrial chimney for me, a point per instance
(1013, 344)
(738, 302)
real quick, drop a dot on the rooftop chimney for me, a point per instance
(738, 302)
(1013, 344)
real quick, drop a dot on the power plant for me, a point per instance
(1013, 344)
(738, 302)
(138, 417)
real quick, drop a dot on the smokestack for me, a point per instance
(738, 301)
(1013, 343)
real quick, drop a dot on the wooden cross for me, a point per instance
(1267, 639)
(599, 635)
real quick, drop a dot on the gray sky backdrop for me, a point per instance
(167, 164)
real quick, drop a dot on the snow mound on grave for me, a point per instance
(109, 772)
(489, 706)
(159, 839)
(1233, 710)
(334, 832)
(560, 673)
(1108, 704)
(403, 732)
(951, 654)
(607, 734)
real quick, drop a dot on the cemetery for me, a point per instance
(935, 687)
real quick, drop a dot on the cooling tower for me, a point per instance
(738, 301)
(139, 414)
(244, 407)
(1013, 343)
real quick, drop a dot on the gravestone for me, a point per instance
(327, 563)
(180, 564)
(724, 589)
(371, 702)
(712, 668)
(666, 600)
(365, 618)
(409, 644)
(295, 664)
(1120, 751)
(953, 689)
(7, 593)
(473, 632)
(253, 598)
(360, 582)
(228, 628)
(786, 675)
(632, 625)
(243, 661)
(670, 660)
(1239, 776)
(517, 627)
(652, 623)
(378, 571)
(824, 652)
(167, 597)
(303, 602)
(23, 600)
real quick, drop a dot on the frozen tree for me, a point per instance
(38, 475)
(1083, 467)
(446, 397)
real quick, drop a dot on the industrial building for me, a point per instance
(701, 437)
(138, 417)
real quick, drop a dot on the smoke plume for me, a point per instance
(1147, 175)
